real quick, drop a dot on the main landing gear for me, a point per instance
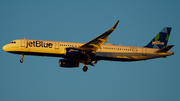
(22, 56)
(88, 61)
(85, 68)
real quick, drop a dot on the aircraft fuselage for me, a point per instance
(105, 52)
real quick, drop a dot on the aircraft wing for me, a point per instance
(96, 43)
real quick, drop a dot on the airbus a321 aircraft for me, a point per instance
(91, 52)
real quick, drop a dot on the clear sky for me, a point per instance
(41, 79)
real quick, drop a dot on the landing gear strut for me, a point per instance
(22, 56)
(88, 61)
(85, 68)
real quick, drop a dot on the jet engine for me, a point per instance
(68, 63)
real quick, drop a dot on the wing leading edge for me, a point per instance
(94, 44)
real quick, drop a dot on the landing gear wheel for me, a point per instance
(88, 61)
(22, 56)
(85, 68)
(21, 61)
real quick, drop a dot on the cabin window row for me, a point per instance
(69, 45)
(120, 49)
(103, 47)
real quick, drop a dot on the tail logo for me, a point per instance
(161, 39)
(157, 43)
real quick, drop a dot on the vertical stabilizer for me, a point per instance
(161, 39)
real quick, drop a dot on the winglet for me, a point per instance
(165, 49)
(114, 26)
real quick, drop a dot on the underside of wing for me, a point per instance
(94, 44)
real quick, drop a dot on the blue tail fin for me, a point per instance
(161, 39)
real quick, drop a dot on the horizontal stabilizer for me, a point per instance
(165, 49)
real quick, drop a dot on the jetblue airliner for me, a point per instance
(91, 52)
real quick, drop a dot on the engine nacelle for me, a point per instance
(68, 63)
(74, 52)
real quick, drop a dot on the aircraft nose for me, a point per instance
(4, 48)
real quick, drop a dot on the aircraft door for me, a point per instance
(144, 51)
(56, 45)
(23, 42)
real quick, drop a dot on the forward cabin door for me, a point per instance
(23, 43)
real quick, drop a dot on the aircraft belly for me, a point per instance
(124, 56)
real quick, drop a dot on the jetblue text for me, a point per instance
(39, 44)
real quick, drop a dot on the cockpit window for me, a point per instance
(12, 42)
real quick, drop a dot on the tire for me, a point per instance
(21, 61)
(85, 68)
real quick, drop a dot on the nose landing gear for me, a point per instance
(22, 56)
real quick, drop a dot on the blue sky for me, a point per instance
(40, 78)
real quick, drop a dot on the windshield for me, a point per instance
(12, 42)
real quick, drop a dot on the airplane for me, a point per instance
(93, 51)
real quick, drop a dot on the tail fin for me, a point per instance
(161, 39)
